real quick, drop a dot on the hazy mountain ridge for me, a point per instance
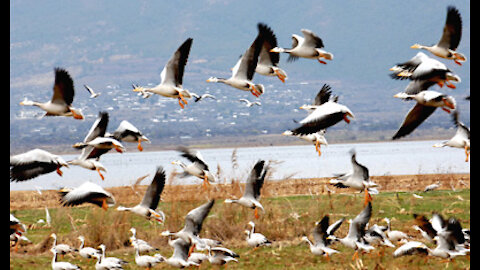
(110, 45)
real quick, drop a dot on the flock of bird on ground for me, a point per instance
(261, 57)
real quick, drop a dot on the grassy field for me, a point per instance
(286, 219)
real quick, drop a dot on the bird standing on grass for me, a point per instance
(61, 265)
(254, 239)
(87, 252)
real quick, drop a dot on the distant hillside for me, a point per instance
(111, 44)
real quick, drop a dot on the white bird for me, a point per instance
(324, 95)
(90, 90)
(249, 104)
(268, 61)
(102, 143)
(427, 102)
(448, 43)
(202, 97)
(356, 232)
(198, 167)
(432, 186)
(321, 234)
(87, 252)
(61, 102)
(61, 265)
(34, 163)
(147, 207)
(91, 152)
(255, 239)
(17, 229)
(89, 156)
(251, 194)
(141, 245)
(375, 235)
(106, 263)
(411, 248)
(87, 192)
(461, 139)
(193, 225)
(394, 235)
(180, 255)
(61, 249)
(310, 46)
(141, 91)
(358, 178)
(324, 115)
(145, 260)
(197, 257)
(421, 67)
(172, 76)
(317, 138)
(126, 132)
(243, 71)
(221, 255)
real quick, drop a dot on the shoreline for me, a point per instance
(200, 144)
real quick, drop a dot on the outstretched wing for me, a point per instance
(152, 195)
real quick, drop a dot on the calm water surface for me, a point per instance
(299, 161)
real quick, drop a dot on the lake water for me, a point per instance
(299, 161)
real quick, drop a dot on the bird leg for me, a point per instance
(355, 255)
(368, 197)
(101, 175)
(346, 119)
(59, 172)
(205, 183)
(317, 146)
(254, 91)
(139, 146)
(327, 257)
(280, 76)
(118, 149)
(456, 62)
(104, 204)
(191, 250)
(467, 153)
(76, 115)
(440, 83)
(322, 62)
(445, 109)
(450, 85)
(180, 103)
(256, 213)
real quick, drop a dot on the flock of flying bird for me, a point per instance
(261, 57)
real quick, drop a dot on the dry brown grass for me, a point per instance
(180, 193)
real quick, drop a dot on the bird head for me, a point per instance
(416, 46)
(212, 79)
